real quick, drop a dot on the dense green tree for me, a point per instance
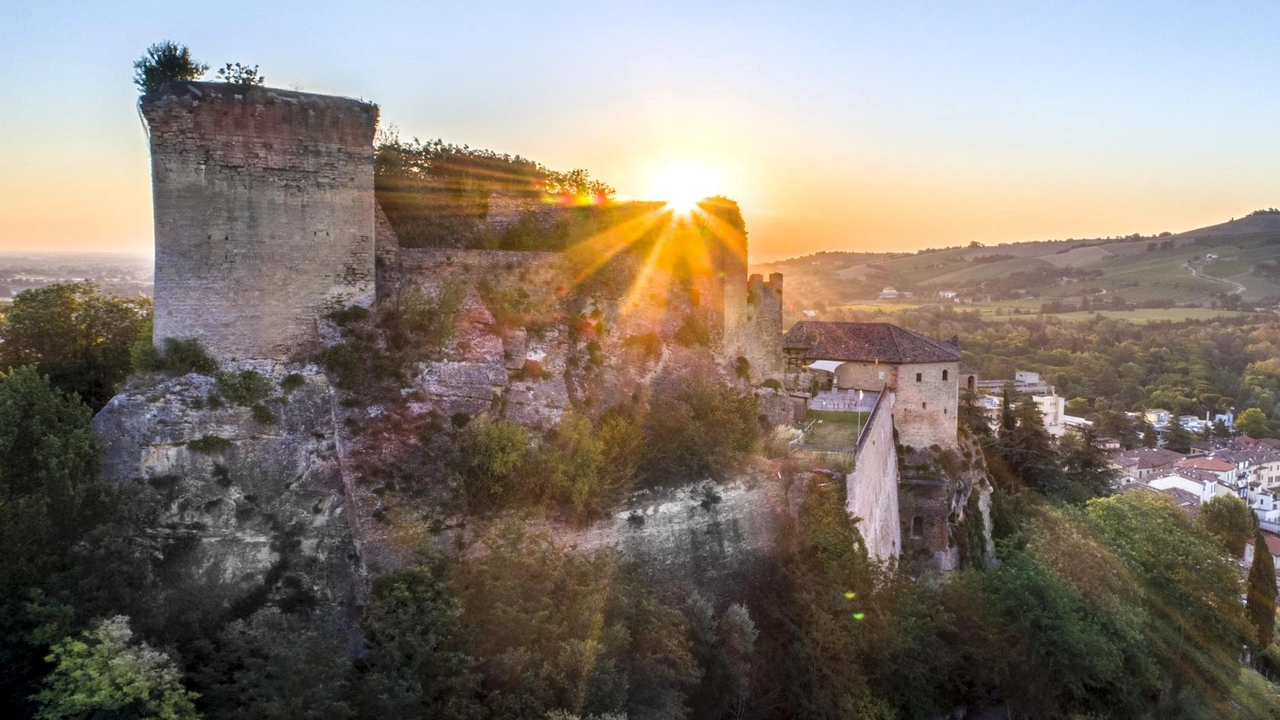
(415, 663)
(973, 416)
(1114, 424)
(811, 611)
(1191, 587)
(274, 666)
(1027, 449)
(724, 647)
(1253, 422)
(1008, 420)
(1260, 600)
(105, 673)
(572, 472)
(1178, 438)
(553, 629)
(50, 500)
(48, 472)
(701, 431)
(1089, 474)
(1062, 656)
(76, 335)
(490, 462)
(1231, 521)
(163, 62)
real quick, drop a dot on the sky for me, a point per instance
(836, 126)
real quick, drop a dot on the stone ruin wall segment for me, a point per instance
(264, 214)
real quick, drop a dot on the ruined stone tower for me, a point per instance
(264, 214)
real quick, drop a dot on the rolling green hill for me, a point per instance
(1230, 265)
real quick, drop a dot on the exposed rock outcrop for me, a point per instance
(255, 494)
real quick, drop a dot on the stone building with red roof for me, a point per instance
(922, 372)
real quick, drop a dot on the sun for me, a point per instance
(684, 183)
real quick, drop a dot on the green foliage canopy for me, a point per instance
(77, 336)
(104, 673)
(1228, 519)
(1260, 601)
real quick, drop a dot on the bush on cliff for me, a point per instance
(701, 431)
(179, 356)
(163, 62)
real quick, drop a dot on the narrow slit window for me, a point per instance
(919, 377)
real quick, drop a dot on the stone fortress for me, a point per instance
(266, 222)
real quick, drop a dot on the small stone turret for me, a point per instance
(264, 214)
(760, 328)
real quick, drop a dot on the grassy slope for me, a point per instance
(1127, 267)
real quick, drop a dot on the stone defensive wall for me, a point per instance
(264, 214)
(872, 488)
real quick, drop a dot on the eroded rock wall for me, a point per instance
(703, 537)
(248, 509)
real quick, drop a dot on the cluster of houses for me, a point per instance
(1241, 466)
(891, 293)
(1163, 420)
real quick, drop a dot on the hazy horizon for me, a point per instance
(859, 128)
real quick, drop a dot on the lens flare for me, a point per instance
(683, 184)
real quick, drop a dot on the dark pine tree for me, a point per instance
(1261, 602)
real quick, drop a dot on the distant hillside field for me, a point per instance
(1226, 267)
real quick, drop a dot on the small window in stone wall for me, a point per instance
(924, 406)
(917, 527)
(944, 374)
(919, 377)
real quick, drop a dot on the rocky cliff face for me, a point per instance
(945, 507)
(704, 537)
(298, 492)
(246, 502)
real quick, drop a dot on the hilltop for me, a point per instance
(1229, 265)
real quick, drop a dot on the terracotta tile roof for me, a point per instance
(1200, 476)
(1273, 543)
(1146, 458)
(1206, 463)
(881, 342)
(1185, 500)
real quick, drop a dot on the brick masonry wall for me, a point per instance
(925, 412)
(264, 214)
(930, 502)
(872, 488)
(505, 211)
(867, 376)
